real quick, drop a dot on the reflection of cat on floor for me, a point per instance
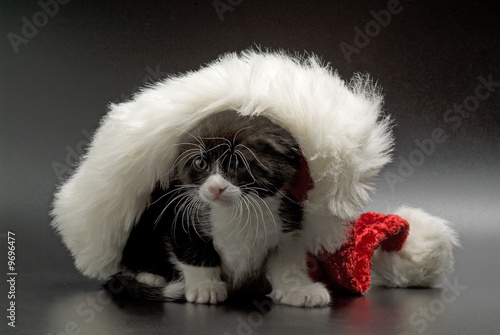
(226, 221)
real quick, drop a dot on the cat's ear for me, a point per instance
(277, 145)
(282, 143)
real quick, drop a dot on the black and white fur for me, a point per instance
(226, 221)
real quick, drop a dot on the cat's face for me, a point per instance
(229, 156)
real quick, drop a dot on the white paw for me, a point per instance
(208, 292)
(150, 279)
(311, 295)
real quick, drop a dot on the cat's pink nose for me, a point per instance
(216, 190)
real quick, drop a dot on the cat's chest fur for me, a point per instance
(245, 235)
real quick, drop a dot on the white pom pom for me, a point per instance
(426, 257)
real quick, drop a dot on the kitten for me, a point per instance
(227, 220)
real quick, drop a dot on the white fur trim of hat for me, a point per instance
(343, 133)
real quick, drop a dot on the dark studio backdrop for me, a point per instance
(62, 62)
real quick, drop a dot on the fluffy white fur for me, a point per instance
(244, 238)
(287, 273)
(426, 257)
(203, 284)
(339, 126)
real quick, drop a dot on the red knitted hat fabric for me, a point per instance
(348, 270)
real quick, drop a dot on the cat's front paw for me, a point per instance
(310, 295)
(208, 292)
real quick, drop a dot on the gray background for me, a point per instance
(428, 58)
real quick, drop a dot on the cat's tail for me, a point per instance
(124, 285)
(426, 257)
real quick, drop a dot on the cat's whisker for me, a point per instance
(189, 157)
(218, 146)
(179, 157)
(288, 198)
(234, 212)
(198, 139)
(180, 196)
(185, 143)
(236, 215)
(175, 219)
(254, 188)
(245, 162)
(259, 201)
(188, 186)
(253, 154)
(201, 206)
(245, 201)
(188, 153)
(191, 218)
(177, 188)
(181, 144)
(239, 209)
(229, 163)
(221, 156)
(239, 131)
(257, 224)
(184, 156)
(218, 138)
(185, 204)
(163, 196)
(174, 227)
(251, 190)
(186, 215)
(271, 213)
(248, 186)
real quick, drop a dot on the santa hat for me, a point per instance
(344, 137)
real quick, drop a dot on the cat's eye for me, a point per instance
(200, 163)
(235, 163)
(240, 165)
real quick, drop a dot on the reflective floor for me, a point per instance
(60, 301)
(437, 63)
